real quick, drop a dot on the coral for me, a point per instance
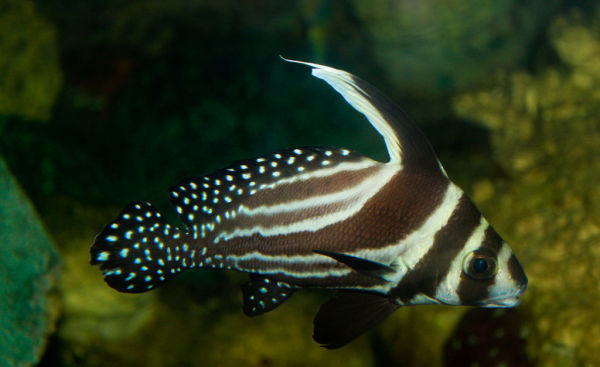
(30, 76)
(28, 264)
(546, 136)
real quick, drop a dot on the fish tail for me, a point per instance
(140, 251)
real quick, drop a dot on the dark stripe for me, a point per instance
(351, 280)
(317, 186)
(435, 264)
(516, 271)
(416, 149)
(471, 291)
(268, 221)
(292, 267)
(492, 240)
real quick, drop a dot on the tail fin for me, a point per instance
(139, 250)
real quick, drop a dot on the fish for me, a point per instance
(381, 235)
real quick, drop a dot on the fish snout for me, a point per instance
(517, 274)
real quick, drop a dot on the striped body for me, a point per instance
(392, 233)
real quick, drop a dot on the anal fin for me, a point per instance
(347, 315)
(262, 294)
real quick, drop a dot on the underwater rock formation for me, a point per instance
(28, 264)
(30, 76)
(545, 134)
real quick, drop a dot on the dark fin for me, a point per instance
(201, 200)
(139, 250)
(405, 142)
(262, 294)
(363, 266)
(347, 315)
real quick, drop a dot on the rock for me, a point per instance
(30, 77)
(546, 135)
(28, 268)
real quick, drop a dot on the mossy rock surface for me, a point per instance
(545, 134)
(28, 268)
(30, 75)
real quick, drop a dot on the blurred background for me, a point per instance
(107, 102)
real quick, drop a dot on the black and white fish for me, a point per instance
(384, 235)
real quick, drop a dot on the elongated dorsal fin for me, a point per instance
(406, 144)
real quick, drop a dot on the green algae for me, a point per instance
(30, 75)
(546, 135)
(28, 267)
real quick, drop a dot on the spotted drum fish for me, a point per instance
(384, 235)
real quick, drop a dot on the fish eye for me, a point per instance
(480, 265)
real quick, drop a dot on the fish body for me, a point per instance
(384, 235)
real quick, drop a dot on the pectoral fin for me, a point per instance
(348, 315)
(363, 266)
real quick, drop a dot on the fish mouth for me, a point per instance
(506, 301)
(502, 302)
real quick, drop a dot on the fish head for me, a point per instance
(485, 275)
(495, 278)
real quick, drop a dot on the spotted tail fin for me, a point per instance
(139, 250)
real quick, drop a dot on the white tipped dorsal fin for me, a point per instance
(406, 144)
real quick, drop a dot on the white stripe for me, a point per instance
(504, 285)
(422, 299)
(342, 167)
(306, 260)
(343, 83)
(446, 290)
(419, 242)
(312, 202)
(416, 244)
(354, 200)
(284, 260)
(409, 251)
